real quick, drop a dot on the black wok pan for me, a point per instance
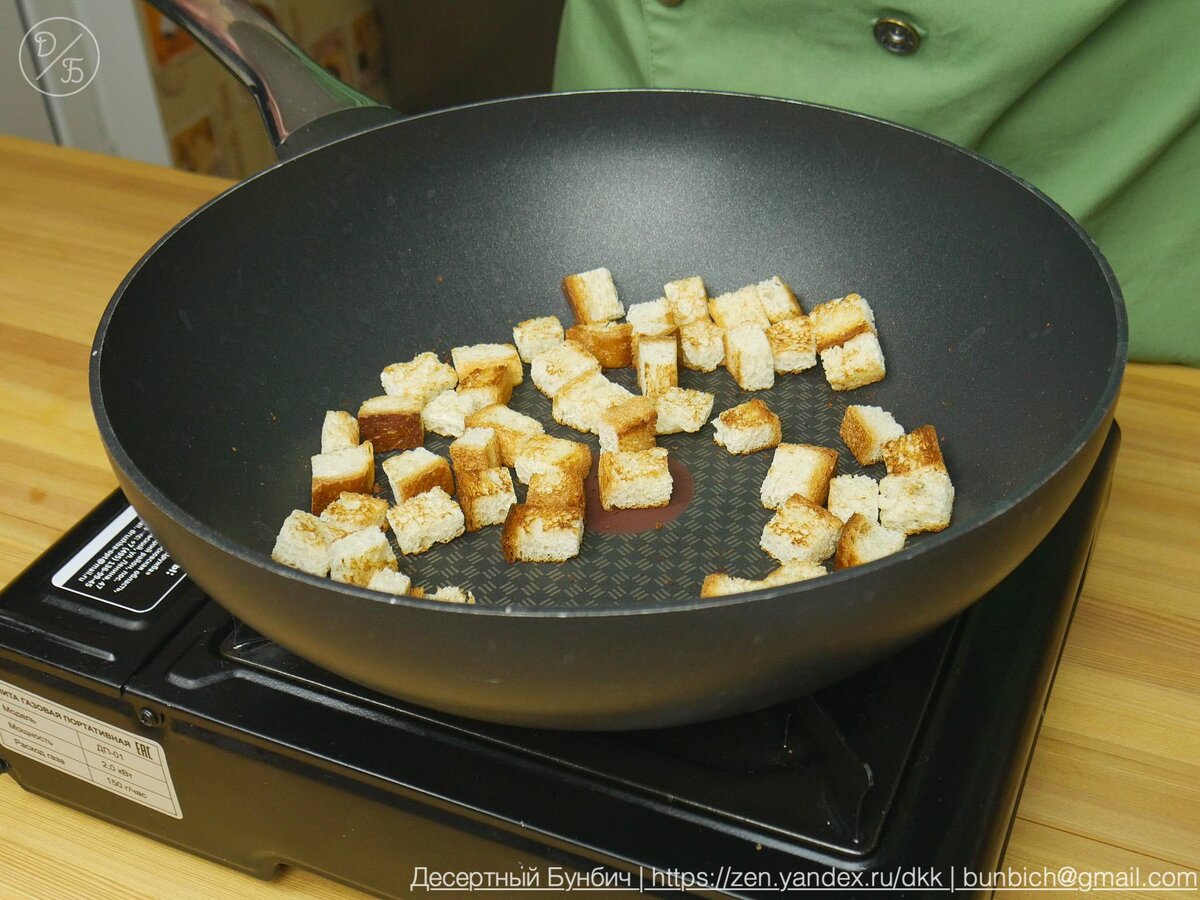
(378, 238)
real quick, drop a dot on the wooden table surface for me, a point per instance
(1115, 780)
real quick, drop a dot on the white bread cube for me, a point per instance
(657, 364)
(720, 584)
(793, 347)
(302, 544)
(739, 307)
(789, 573)
(803, 469)
(535, 336)
(682, 409)
(777, 299)
(558, 488)
(914, 452)
(748, 358)
(424, 520)
(446, 414)
(542, 452)
(486, 495)
(478, 448)
(916, 502)
(630, 425)
(635, 479)
(651, 318)
(593, 296)
(356, 558)
(511, 427)
(837, 321)
(801, 531)
(354, 512)
(580, 403)
(484, 386)
(485, 356)
(391, 422)
(351, 469)
(610, 342)
(850, 494)
(856, 363)
(390, 581)
(424, 376)
(541, 533)
(417, 471)
(864, 540)
(687, 300)
(865, 429)
(452, 593)
(338, 431)
(701, 345)
(561, 364)
(747, 428)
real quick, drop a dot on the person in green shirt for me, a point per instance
(1096, 102)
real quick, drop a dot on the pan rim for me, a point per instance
(1101, 410)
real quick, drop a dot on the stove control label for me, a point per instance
(118, 761)
(122, 566)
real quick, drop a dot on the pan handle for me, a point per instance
(302, 105)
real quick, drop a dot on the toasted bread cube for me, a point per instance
(801, 531)
(864, 540)
(593, 296)
(657, 364)
(445, 414)
(747, 428)
(720, 584)
(417, 471)
(452, 593)
(789, 573)
(424, 377)
(391, 422)
(302, 544)
(850, 494)
(390, 581)
(687, 300)
(338, 431)
(682, 409)
(561, 364)
(651, 318)
(485, 386)
(793, 347)
(543, 452)
(424, 520)
(609, 342)
(356, 558)
(802, 469)
(630, 425)
(580, 403)
(777, 299)
(701, 346)
(837, 321)
(478, 448)
(919, 501)
(511, 427)
(856, 363)
(635, 479)
(354, 512)
(535, 336)
(487, 356)
(541, 533)
(913, 452)
(485, 496)
(739, 307)
(865, 429)
(351, 469)
(748, 358)
(557, 487)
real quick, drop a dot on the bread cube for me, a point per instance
(850, 494)
(417, 471)
(837, 321)
(424, 520)
(748, 358)
(558, 488)
(354, 512)
(919, 501)
(535, 336)
(687, 300)
(865, 429)
(739, 307)
(485, 496)
(747, 428)
(657, 364)
(487, 356)
(543, 452)
(701, 345)
(338, 431)
(485, 386)
(801, 531)
(391, 422)
(682, 409)
(302, 544)
(478, 448)
(864, 540)
(424, 377)
(635, 479)
(390, 581)
(651, 318)
(720, 584)
(630, 425)
(446, 414)
(554, 368)
(913, 452)
(802, 469)
(541, 533)
(793, 347)
(351, 469)
(593, 296)
(789, 573)
(451, 593)
(856, 363)
(777, 299)
(580, 403)
(511, 427)
(356, 558)
(609, 342)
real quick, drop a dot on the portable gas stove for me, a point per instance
(127, 693)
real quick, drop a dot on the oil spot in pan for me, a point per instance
(632, 521)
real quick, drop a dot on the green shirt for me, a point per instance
(1097, 102)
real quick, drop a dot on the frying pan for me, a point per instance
(377, 237)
